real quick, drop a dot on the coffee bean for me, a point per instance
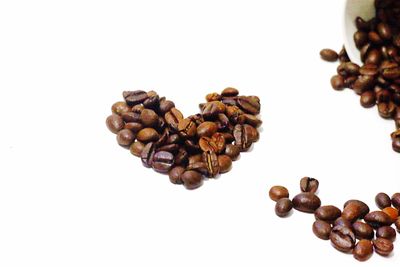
(327, 213)
(396, 201)
(147, 135)
(232, 151)
(136, 148)
(182, 157)
(166, 106)
(362, 25)
(242, 138)
(363, 83)
(135, 97)
(252, 120)
(175, 174)
(308, 184)
(337, 82)
(225, 163)
(343, 222)
(148, 154)
(392, 212)
(212, 109)
(352, 212)
(306, 202)
(249, 104)
(360, 39)
(283, 207)
(187, 128)
(149, 118)
(343, 56)
(234, 113)
(384, 31)
(207, 129)
(378, 219)
(125, 137)
(120, 108)
(363, 250)
(172, 118)
(369, 69)
(375, 38)
(172, 148)
(131, 117)
(114, 123)
(163, 161)
(329, 55)
(135, 127)
(368, 99)
(362, 207)
(153, 100)
(342, 238)
(386, 232)
(363, 230)
(192, 179)
(213, 97)
(229, 91)
(382, 200)
(277, 192)
(397, 224)
(396, 144)
(322, 229)
(383, 246)
(211, 160)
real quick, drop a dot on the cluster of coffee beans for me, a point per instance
(343, 228)
(377, 81)
(188, 149)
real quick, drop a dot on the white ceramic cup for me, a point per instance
(353, 9)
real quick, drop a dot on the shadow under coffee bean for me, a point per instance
(191, 148)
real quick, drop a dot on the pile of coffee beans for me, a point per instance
(377, 81)
(191, 148)
(343, 228)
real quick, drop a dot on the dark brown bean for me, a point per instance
(386, 232)
(249, 104)
(125, 137)
(306, 202)
(368, 99)
(148, 135)
(207, 129)
(342, 238)
(386, 110)
(322, 229)
(120, 108)
(229, 92)
(382, 200)
(327, 213)
(136, 148)
(363, 250)
(212, 164)
(135, 97)
(232, 151)
(225, 163)
(329, 55)
(364, 209)
(383, 246)
(172, 118)
(187, 128)
(163, 161)
(396, 200)
(277, 192)
(378, 219)
(283, 207)
(114, 123)
(148, 154)
(175, 174)
(308, 184)
(192, 179)
(363, 230)
(149, 118)
(337, 82)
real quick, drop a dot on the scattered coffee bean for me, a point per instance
(306, 202)
(363, 250)
(137, 148)
(322, 229)
(283, 207)
(392, 212)
(125, 137)
(329, 55)
(363, 230)
(378, 219)
(115, 123)
(278, 192)
(192, 179)
(361, 206)
(327, 213)
(396, 201)
(382, 200)
(383, 246)
(342, 238)
(308, 184)
(386, 232)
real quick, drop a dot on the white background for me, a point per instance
(70, 196)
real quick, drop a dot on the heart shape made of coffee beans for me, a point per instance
(191, 148)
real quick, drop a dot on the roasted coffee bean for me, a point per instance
(219, 141)
(172, 118)
(175, 174)
(342, 238)
(207, 129)
(396, 201)
(187, 128)
(363, 83)
(368, 99)
(382, 200)
(369, 69)
(392, 212)
(137, 108)
(120, 108)
(172, 148)
(181, 157)
(229, 92)
(343, 222)
(375, 38)
(352, 212)
(306, 202)
(149, 118)
(212, 109)
(283, 207)
(386, 232)
(397, 224)
(125, 137)
(131, 117)
(166, 106)
(136, 148)
(364, 209)
(363, 250)
(135, 97)
(211, 160)
(378, 219)
(135, 127)
(384, 31)
(232, 151)
(329, 55)
(233, 113)
(360, 39)
(308, 184)
(396, 144)
(362, 25)
(163, 161)
(213, 97)
(225, 163)
(148, 135)
(195, 158)
(148, 154)
(252, 120)
(383, 246)
(242, 138)
(327, 213)
(338, 82)
(199, 166)
(249, 104)
(322, 229)
(386, 110)
(363, 230)
(192, 179)
(114, 123)
(277, 192)
(153, 100)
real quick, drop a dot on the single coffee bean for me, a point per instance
(149, 118)
(243, 137)
(136, 148)
(352, 212)
(249, 104)
(125, 137)
(252, 120)
(163, 161)
(153, 100)
(383, 246)
(342, 238)
(137, 108)
(308, 184)
(192, 179)
(225, 163)
(368, 99)
(175, 175)
(277, 192)
(131, 117)
(378, 219)
(373, 56)
(213, 97)
(392, 212)
(363, 230)
(172, 118)
(338, 82)
(147, 135)
(120, 108)
(211, 160)
(363, 83)
(382, 200)
(232, 151)
(187, 128)
(207, 129)
(219, 140)
(327, 213)
(212, 109)
(148, 154)
(329, 55)
(172, 148)
(229, 92)
(283, 207)
(363, 250)
(135, 127)
(322, 229)
(364, 209)
(396, 201)
(114, 123)
(306, 202)
(360, 39)
(343, 222)
(386, 110)
(200, 167)
(384, 31)
(386, 232)
(135, 97)
(165, 106)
